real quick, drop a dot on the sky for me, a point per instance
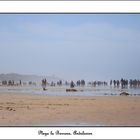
(71, 46)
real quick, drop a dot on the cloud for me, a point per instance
(95, 48)
(83, 32)
(89, 34)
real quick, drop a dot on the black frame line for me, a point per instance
(57, 126)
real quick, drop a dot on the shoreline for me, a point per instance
(43, 110)
(80, 91)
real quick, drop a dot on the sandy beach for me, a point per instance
(32, 110)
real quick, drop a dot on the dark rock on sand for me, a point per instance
(44, 89)
(124, 94)
(71, 89)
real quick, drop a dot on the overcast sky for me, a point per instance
(71, 46)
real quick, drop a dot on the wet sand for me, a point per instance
(33, 110)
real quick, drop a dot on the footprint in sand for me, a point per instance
(10, 109)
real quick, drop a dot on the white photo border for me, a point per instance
(70, 7)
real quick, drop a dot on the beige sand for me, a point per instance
(46, 110)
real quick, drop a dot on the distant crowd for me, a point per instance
(123, 83)
(16, 83)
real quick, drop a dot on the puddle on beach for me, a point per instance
(61, 91)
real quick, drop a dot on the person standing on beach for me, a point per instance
(44, 84)
(72, 84)
(110, 82)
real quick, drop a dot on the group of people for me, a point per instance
(134, 83)
(124, 83)
(73, 84)
(81, 83)
(78, 83)
(60, 83)
(17, 83)
(11, 83)
(98, 83)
